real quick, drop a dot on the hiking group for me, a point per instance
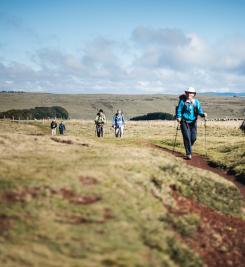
(118, 123)
(54, 126)
(187, 112)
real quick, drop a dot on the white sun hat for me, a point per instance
(191, 90)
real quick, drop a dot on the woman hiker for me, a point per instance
(187, 112)
(118, 123)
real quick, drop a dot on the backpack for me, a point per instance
(184, 98)
(61, 126)
(100, 119)
(118, 119)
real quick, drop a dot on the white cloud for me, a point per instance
(159, 37)
(152, 60)
(8, 82)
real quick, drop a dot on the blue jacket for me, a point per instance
(189, 111)
(118, 120)
(62, 127)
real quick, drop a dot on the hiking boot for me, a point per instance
(188, 157)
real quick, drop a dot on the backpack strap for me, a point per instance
(195, 108)
(194, 103)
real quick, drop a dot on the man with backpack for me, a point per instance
(118, 123)
(99, 123)
(187, 113)
(53, 127)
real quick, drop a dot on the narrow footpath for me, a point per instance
(201, 162)
(220, 238)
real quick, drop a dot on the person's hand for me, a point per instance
(205, 115)
(178, 120)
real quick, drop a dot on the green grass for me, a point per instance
(225, 145)
(186, 225)
(46, 221)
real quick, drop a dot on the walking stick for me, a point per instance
(175, 137)
(205, 137)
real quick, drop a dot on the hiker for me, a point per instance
(100, 120)
(242, 127)
(53, 127)
(187, 113)
(62, 128)
(118, 123)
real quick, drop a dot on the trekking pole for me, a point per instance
(175, 138)
(205, 137)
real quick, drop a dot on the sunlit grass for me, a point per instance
(46, 221)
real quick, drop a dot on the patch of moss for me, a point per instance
(185, 225)
(182, 255)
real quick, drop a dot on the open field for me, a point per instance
(86, 106)
(76, 200)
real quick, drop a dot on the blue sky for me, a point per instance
(130, 46)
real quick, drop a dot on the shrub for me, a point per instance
(154, 116)
(36, 113)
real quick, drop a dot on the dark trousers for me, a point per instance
(189, 132)
(99, 130)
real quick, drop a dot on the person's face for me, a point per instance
(190, 95)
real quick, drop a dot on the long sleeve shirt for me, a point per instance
(118, 120)
(189, 110)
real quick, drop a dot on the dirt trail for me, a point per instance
(202, 163)
(219, 239)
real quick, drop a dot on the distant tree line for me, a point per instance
(154, 116)
(12, 92)
(36, 113)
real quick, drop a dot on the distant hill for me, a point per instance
(232, 94)
(86, 106)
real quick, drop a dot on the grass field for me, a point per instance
(225, 144)
(86, 106)
(76, 200)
